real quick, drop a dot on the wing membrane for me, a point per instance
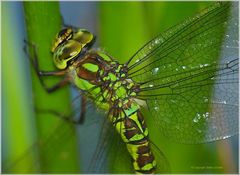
(191, 88)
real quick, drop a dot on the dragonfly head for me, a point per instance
(68, 45)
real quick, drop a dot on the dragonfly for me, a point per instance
(176, 77)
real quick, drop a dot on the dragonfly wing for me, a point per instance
(163, 165)
(191, 115)
(190, 91)
(111, 155)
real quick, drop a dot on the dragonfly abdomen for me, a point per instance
(131, 125)
(143, 159)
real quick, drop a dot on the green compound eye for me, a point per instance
(62, 36)
(83, 36)
(65, 52)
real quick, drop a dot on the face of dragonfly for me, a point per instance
(68, 44)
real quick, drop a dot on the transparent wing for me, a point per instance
(189, 76)
(110, 155)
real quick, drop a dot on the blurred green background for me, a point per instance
(121, 29)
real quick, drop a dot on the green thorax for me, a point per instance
(103, 80)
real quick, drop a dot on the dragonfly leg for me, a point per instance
(67, 118)
(34, 61)
(56, 86)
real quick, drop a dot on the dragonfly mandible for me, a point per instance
(147, 80)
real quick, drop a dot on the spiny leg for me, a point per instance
(69, 117)
(34, 61)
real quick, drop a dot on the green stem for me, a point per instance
(43, 21)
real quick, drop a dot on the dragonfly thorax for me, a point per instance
(116, 88)
(104, 80)
(119, 93)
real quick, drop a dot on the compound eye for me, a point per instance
(65, 33)
(83, 36)
(66, 52)
(62, 36)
